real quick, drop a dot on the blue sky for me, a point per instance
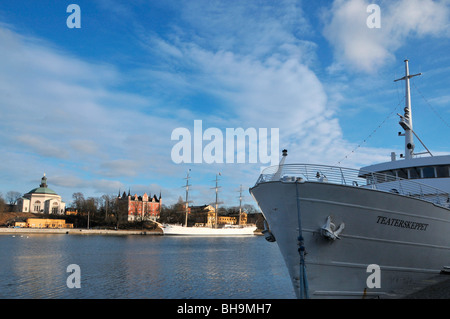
(94, 107)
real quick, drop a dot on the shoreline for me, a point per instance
(85, 231)
(78, 231)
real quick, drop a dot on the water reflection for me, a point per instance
(142, 267)
(34, 266)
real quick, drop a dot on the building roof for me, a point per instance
(43, 189)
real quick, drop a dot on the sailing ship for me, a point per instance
(381, 231)
(216, 229)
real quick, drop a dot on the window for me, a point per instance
(390, 175)
(402, 173)
(428, 172)
(37, 206)
(386, 176)
(443, 171)
(413, 173)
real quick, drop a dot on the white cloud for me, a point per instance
(419, 17)
(365, 49)
(95, 137)
(269, 93)
(63, 112)
(120, 167)
(87, 147)
(256, 28)
(42, 146)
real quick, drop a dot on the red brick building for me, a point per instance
(142, 207)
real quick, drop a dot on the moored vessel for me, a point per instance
(374, 232)
(228, 231)
(213, 230)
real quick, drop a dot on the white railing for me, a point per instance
(354, 178)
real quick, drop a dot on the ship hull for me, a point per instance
(178, 230)
(406, 237)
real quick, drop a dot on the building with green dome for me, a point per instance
(41, 200)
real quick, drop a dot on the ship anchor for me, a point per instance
(268, 234)
(328, 230)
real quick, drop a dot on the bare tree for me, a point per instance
(121, 211)
(90, 205)
(2, 204)
(106, 205)
(12, 197)
(78, 201)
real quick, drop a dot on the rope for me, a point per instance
(370, 135)
(301, 250)
(431, 107)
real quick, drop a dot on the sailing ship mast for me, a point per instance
(217, 203)
(187, 202)
(240, 205)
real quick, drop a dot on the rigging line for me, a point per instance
(373, 132)
(398, 93)
(431, 107)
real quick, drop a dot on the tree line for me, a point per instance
(107, 211)
(176, 214)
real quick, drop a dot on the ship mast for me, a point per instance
(187, 202)
(406, 119)
(240, 205)
(217, 203)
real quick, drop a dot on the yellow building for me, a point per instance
(46, 223)
(206, 216)
(225, 220)
(20, 224)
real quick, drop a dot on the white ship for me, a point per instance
(227, 231)
(381, 231)
(216, 230)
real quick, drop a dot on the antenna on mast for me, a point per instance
(406, 119)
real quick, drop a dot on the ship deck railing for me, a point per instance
(354, 178)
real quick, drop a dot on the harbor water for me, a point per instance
(35, 266)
